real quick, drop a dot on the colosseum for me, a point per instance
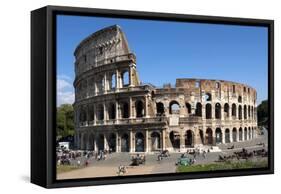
(114, 110)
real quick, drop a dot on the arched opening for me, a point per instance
(227, 136)
(125, 143)
(91, 113)
(239, 99)
(240, 134)
(84, 142)
(112, 111)
(209, 136)
(101, 142)
(198, 110)
(188, 108)
(233, 111)
(226, 110)
(218, 111)
(208, 97)
(208, 111)
(113, 81)
(91, 142)
(218, 136)
(139, 108)
(175, 139)
(188, 138)
(245, 133)
(100, 84)
(252, 112)
(82, 115)
(100, 110)
(160, 108)
(125, 78)
(253, 133)
(125, 110)
(112, 142)
(245, 111)
(139, 142)
(201, 134)
(155, 141)
(234, 135)
(174, 107)
(249, 111)
(249, 133)
(240, 112)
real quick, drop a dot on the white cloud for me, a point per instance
(65, 98)
(65, 90)
(63, 84)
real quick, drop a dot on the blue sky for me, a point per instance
(169, 50)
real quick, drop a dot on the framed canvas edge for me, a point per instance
(51, 181)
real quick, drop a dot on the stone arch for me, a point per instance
(189, 138)
(208, 111)
(233, 110)
(100, 142)
(175, 139)
(240, 112)
(125, 78)
(100, 111)
(218, 135)
(198, 110)
(160, 108)
(82, 115)
(112, 142)
(112, 111)
(174, 107)
(91, 113)
(240, 134)
(125, 109)
(139, 142)
(240, 99)
(113, 81)
(245, 134)
(84, 141)
(91, 142)
(227, 136)
(125, 146)
(226, 110)
(155, 141)
(188, 108)
(218, 111)
(139, 108)
(234, 134)
(245, 111)
(208, 97)
(201, 134)
(209, 136)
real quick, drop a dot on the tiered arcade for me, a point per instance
(114, 110)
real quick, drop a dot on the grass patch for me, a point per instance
(66, 168)
(223, 166)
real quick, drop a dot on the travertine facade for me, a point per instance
(114, 110)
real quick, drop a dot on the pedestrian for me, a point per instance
(204, 154)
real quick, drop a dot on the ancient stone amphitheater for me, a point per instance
(115, 110)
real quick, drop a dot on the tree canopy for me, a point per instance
(262, 112)
(65, 121)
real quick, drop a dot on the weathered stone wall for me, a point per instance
(114, 111)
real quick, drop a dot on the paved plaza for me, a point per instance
(109, 167)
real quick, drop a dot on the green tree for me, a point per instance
(262, 112)
(65, 120)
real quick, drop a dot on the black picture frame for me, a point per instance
(43, 94)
